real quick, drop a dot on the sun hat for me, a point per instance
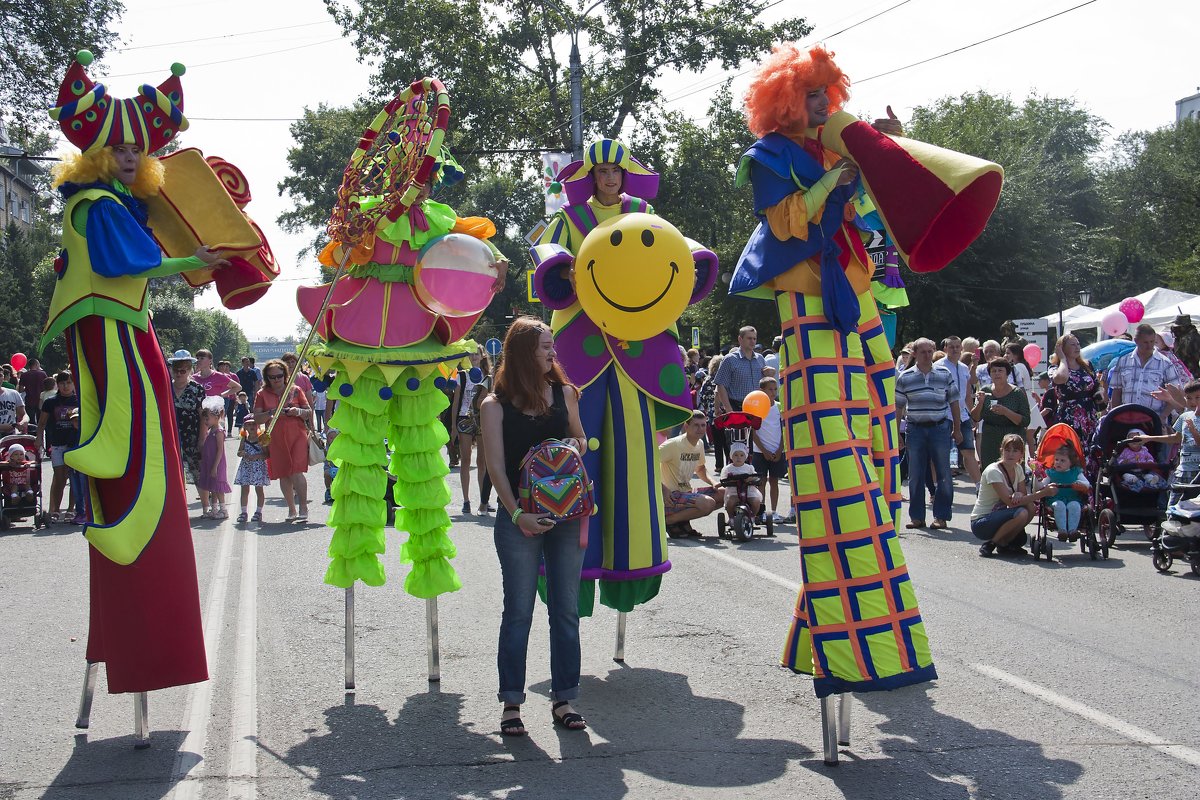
(181, 355)
(739, 447)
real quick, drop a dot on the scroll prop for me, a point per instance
(934, 202)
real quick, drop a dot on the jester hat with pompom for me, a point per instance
(91, 119)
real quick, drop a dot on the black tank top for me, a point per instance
(522, 431)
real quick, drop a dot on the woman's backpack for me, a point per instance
(553, 481)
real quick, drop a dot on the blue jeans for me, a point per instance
(520, 557)
(926, 443)
(1066, 515)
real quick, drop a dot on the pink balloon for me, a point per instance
(18, 361)
(1114, 323)
(1033, 355)
(1133, 310)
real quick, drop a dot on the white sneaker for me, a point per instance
(778, 518)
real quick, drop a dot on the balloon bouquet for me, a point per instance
(411, 280)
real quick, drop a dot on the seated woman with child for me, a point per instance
(1006, 502)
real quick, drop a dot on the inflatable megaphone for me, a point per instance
(933, 202)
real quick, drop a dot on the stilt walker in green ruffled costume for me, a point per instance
(392, 327)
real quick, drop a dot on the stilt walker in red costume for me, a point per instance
(856, 625)
(145, 610)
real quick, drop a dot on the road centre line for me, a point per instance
(746, 565)
(1126, 729)
(1119, 726)
(199, 695)
(243, 729)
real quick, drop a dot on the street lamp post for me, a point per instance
(1085, 297)
(573, 21)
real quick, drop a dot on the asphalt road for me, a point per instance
(1071, 680)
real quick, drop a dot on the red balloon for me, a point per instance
(18, 361)
(1033, 355)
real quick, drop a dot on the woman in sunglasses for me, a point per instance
(288, 461)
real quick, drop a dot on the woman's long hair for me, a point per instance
(1083, 362)
(518, 379)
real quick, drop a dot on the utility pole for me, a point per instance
(576, 98)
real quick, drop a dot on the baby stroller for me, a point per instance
(736, 427)
(1128, 494)
(1179, 535)
(1057, 436)
(32, 507)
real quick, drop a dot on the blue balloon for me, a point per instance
(476, 375)
(1102, 354)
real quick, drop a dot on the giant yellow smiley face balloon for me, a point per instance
(634, 275)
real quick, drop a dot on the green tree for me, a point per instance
(1153, 191)
(508, 77)
(38, 40)
(1047, 230)
(26, 272)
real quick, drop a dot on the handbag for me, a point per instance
(316, 449)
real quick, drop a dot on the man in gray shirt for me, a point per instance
(927, 398)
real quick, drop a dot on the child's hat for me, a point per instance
(17, 448)
(1136, 432)
(739, 447)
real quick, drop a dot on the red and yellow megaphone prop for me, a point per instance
(934, 202)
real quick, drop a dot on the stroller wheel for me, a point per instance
(1106, 530)
(1048, 549)
(720, 524)
(4, 523)
(1196, 567)
(1162, 559)
(1035, 547)
(1093, 549)
(743, 528)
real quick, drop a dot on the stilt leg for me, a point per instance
(619, 654)
(89, 691)
(829, 729)
(141, 720)
(844, 719)
(350, 637)
(431, 625)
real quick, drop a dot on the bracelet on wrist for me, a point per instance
(516, 514)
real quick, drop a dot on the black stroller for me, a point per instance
(1128, 494)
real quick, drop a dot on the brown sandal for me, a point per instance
(939, 524)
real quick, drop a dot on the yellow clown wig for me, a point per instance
(775, 100)
(101, 165)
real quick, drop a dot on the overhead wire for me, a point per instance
(223, 36)
(974, 44)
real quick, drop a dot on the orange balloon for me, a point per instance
(757, 403)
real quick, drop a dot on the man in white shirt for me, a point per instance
(965, 380)
(681, 457)
(769, 461)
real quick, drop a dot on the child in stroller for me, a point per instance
(1066, 512)
(743, 503)
(1132, 485)
(20, 479)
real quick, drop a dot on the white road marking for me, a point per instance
(751, 568)
(1128, 730)
(199, 697)
(243, 732)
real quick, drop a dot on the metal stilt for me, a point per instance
(829, 724)
(431, 628)
(141, 720)
(844, 719)
(350, 637)
(619, 654)
(89, 691)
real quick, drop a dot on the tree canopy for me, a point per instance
(34, 52)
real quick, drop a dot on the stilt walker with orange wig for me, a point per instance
(145, 611)
(856, 625)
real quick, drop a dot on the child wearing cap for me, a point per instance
(1135, 453)
(737, 465)
(15, 476)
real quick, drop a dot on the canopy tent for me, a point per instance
(1162, 306)
(1069, 315)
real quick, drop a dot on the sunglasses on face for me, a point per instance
(276, 376)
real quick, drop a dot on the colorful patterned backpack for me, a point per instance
(553, 481)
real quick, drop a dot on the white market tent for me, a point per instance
(1162, 306)
(1069, 316)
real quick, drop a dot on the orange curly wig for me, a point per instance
(775, 99)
